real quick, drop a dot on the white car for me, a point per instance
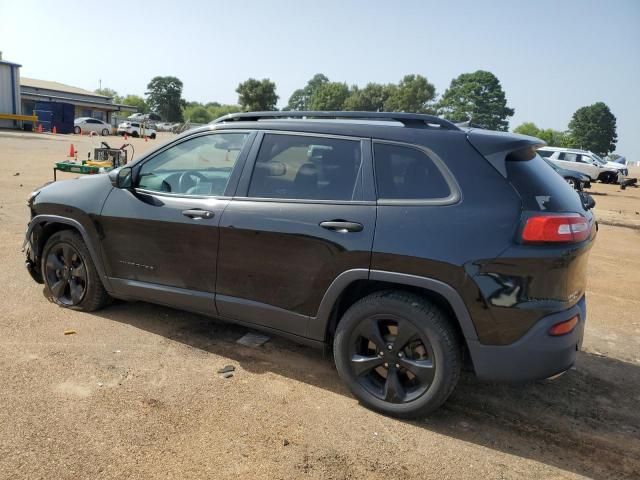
(584, 162)
(136, 129)
(88, 124)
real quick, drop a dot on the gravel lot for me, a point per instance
(135, 392)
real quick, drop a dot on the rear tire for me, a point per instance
(70, 277)
(134, 134)
(105, 132)
(153, 136)
(398, 353)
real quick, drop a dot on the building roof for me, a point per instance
(58, 87)
(4, 62)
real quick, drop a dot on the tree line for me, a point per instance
(476, 97)
(592, 127)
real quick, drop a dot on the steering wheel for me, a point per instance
(189, 174)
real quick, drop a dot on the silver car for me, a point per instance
(88, 124)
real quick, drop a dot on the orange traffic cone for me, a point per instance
(39, 128)
(126, 137)
(72, 151)
(54, 131)
(145, 138)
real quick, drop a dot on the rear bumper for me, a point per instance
(536, 355)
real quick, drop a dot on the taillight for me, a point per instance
(565, 327)
(566, 228)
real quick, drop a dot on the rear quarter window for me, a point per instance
(407, 173)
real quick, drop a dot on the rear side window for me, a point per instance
(568, 157)
(541, 187)
(406, 173)
(306, 168)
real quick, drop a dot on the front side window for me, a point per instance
(306, 168)
(545, 153)
(198, 166)
(406, 173)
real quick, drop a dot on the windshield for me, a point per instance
(598, 159)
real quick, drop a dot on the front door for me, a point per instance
(161, 239)
(299, 223)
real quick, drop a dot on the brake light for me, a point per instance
(565, 327)
(568, 228)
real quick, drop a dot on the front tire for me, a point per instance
(398, 353)
(105, 132)
(70, 277)
(77, 130)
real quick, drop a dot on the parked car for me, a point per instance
(88, 124)
(409, 245)
(165, 126)
(136, 129)
(145, 117)
(584, 162)
(577, 180)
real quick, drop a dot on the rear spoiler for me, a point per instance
(496, 146)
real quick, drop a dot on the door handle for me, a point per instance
(198, 214)
(342, 226)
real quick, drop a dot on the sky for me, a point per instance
(551, 56)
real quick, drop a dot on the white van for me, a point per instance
(584, 162)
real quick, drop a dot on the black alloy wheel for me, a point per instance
(398, 353)
(391, 359)
(66, 274)
(70, 276)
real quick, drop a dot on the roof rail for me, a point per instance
(415, 120)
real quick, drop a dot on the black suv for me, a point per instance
(414, 246)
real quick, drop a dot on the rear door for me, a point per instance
(304, 214)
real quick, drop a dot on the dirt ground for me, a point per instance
(135, 393)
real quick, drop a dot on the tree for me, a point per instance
(300, 98)
(527, 128)
(220, 110)
(478, 97)
(109, 92)
(136, 101)
(413, 94)
(371, 98)
(197, 114)
(551, 137)
(257, 95)
(164, 96)
(329, 96)
(594, 128)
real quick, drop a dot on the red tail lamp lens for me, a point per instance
(565, 327)
(570, 228)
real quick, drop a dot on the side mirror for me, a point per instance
(121, 177)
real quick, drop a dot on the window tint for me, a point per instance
(407, 173)
(545, 153)
(199, 166)
(303, 167)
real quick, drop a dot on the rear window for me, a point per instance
(541, 187)
(406, 173)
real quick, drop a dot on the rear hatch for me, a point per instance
(545, 269)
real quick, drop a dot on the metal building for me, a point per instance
(9, 92)
(86, 103)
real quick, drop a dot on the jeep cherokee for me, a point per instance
(411, 245)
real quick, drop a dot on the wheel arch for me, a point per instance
(352, 285)
(42, 227)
